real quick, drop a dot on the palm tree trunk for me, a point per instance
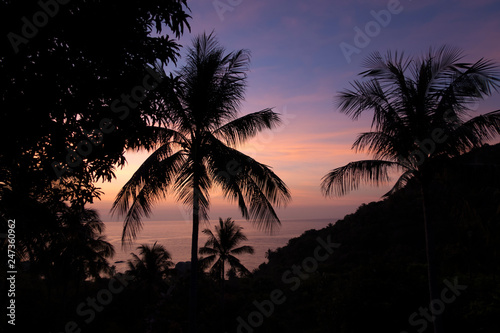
(222, 273)
(223, 301)
(193, 291)
(431, 253)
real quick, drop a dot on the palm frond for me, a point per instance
(371, 96)
(401, 182)
(390, 69)
(468, 84)
(363, 96)
(209, 233)
(274, 189)
(207, 250)
(207, 261)
(434, 69)
(243, 250)
(342, 180)
(216, 269)
(103, 247)
(249, 182)
(212, 240)
(473, 133)
(381, 145)
(485, 126)
(237, 266)
(223, 174)
(146, 186)
(241, 129)
(261, 210)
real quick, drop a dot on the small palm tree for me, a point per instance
(151, 264)
(196, 149)
(222, 248)
(150, 269)
(421, 116)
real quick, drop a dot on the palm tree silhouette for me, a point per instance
(71, 250)
(420, 115)
(79, 249)
(150, 269)
(152, 263)
(222, 248)
(196, 149)
(90, 246)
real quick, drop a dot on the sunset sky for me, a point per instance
(297, 67)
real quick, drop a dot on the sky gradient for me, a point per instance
(298, 66)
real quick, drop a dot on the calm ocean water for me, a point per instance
(176, 237)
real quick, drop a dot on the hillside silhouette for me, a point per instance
(377, 277)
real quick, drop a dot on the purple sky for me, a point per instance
(298, 66)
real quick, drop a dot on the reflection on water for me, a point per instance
(176, 237)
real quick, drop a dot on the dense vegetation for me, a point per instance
(76, 90)
(375, 279)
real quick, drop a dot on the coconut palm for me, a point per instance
(421, 115)
(151, 264)
(196, 149)
(222, 248)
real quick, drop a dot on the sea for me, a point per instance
(175, 236)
